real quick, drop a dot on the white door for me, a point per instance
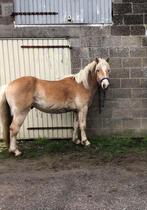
(46, 59)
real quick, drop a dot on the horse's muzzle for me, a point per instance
(104, 82)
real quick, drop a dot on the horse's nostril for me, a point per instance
(104, 86)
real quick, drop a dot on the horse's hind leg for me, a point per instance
(75, 131)
(82, 123)
(17, 121)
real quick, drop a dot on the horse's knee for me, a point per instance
(13, 130)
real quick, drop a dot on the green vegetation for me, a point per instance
(105, 148)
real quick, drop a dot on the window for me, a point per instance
(49, 12)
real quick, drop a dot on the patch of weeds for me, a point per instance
(104, 148)
(3, 151)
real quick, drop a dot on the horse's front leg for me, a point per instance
(75, 131)
(82, 115)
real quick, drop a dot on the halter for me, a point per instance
(104, 79)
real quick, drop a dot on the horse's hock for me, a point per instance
(124, 41)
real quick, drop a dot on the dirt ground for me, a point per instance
(65, 183)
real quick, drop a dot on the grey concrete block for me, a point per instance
(143, 83)
(131, 123)
(122, 113)
(119, 52)
(90, 31)
(120, 30)
(131, 62)
(133, 19)
(138, 52)
(134, 1)
(121, 93)
(94, 123)
(115, 63)
(144, 62)
(6, 1)
(109, 123)
(91, 41)
(6, 20)
(119, 73)
(138, 30)
(74, 42)
(111, 41)
(144, 124)
(140, 8)
(131, 41)
(121, 8)
(115, 83)
(85, 52)
(117, 19)
(128, 103)
(139, 93)
(98, 52)
(75, 52)
(136, 73)
(75, 62)
(130, 83)
(139, 113)
(75, 70)
(84, 62)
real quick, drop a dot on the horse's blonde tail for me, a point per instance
(5, 116)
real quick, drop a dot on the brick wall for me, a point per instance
(125, 43)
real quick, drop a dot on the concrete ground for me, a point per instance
(34, 185)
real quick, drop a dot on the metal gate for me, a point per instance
(45, 59)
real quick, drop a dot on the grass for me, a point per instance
(106, 148)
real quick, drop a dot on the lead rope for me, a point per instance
(99, 91)
(102, 97)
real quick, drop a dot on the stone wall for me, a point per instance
(125, 42)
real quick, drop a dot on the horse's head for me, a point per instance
(102, 72)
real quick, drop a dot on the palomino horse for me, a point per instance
(73, 93)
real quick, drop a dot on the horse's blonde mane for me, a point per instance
(82, 75)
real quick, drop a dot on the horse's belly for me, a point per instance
(55, 108)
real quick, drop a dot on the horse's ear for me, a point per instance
(108, 59)
(97, 60)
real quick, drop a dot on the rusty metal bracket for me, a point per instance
(33, 13)
(48, 128)
(45, 46)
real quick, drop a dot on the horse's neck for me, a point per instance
(92, 81)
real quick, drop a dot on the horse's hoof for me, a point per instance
(11, 151)
(85, 143)
(17, 153)
(77, 141)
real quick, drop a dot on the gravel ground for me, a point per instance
(63, 185)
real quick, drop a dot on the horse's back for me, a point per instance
(23, 82)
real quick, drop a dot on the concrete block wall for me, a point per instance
(125, 42)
